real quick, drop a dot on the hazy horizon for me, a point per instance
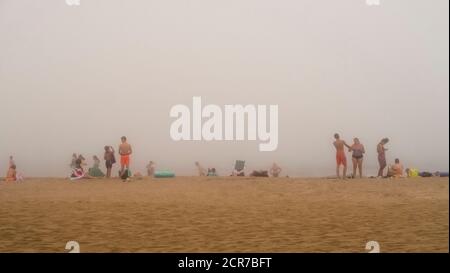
(74, 79)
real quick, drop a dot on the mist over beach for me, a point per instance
(73, 79)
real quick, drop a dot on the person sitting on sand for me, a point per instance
(110, 160)
(78, 172)
(275, 170)
(341, 159)
(11, 175)
(95, 170)
(151, 168)
(381, 150)
(358, 151)
(125, 151)
(82, 159)
(212, 172)
(396, 170)
(200, 169)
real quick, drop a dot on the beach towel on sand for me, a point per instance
(164, 174)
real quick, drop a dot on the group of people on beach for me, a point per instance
(78, 164)
(395, 170)
(358, 150)
(125, 151)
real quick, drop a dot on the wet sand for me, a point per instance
(188, 214)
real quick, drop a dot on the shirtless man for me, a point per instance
(381, 150)
(340, 155)
(125, 151)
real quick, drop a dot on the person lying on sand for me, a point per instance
(200, 169)
(341, 159)
(260, 173)
(275, 170)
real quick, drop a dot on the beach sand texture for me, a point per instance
(224, 214)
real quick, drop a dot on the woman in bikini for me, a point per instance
(381, 150)
(358, 151)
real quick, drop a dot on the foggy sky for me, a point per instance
(73, 79)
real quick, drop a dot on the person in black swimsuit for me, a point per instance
(358, 151)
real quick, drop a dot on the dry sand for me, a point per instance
(223, 214)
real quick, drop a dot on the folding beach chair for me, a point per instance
(239, 168)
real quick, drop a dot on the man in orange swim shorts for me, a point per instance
(125, 151)
(341, 159)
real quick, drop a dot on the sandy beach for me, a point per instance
(223, 214)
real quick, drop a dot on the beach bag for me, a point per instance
(426, 174)
(126, 174)
(413, 173)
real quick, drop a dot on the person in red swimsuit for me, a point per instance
(341, 159)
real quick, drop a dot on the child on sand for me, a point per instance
(95, 170)
(341, 159)
(78, 172)
(151, 168)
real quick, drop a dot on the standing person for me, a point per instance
(200, 169)
(73, 164)
(341, 159)
(11, 161)
(151, 168)
(125, 151)
(358, 151)
(110, 160)
(381, 150)
(275, 170)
